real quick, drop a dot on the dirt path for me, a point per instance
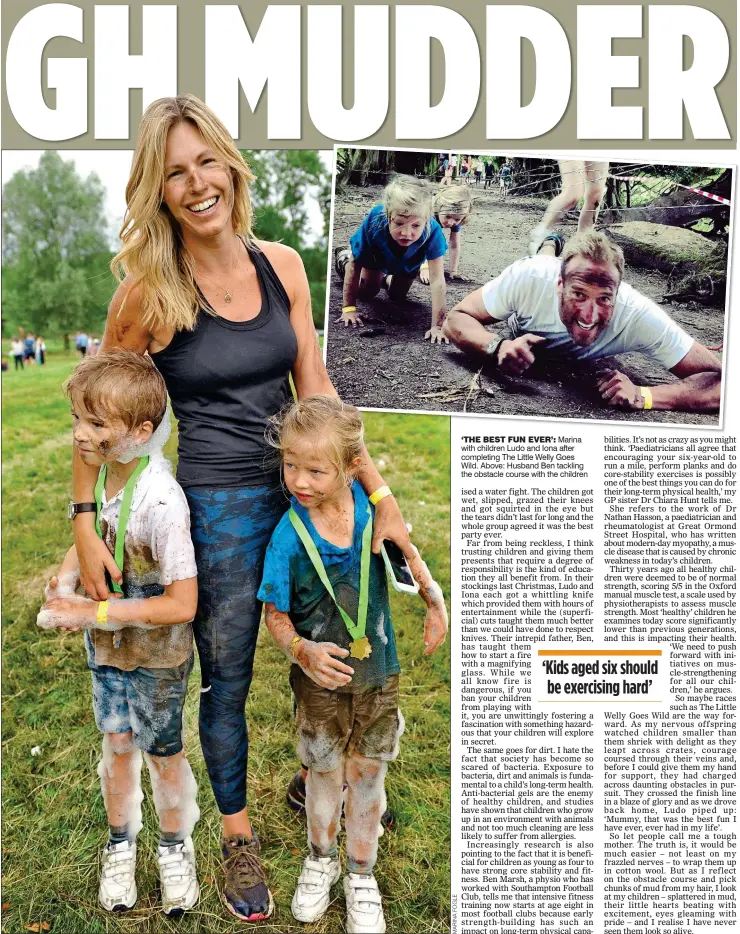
(388, 365)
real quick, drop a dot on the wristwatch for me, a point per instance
(75, 509)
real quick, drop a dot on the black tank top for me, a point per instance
(225, 380)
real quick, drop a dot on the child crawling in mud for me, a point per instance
(139, 647)
(326, 598)
(452, 207)
(389, 248)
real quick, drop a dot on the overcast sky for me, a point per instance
(112, 167)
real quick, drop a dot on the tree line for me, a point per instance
(57, 244)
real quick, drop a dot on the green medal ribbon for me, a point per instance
(360, 646)
(123, 515)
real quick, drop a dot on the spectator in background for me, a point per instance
(40, 350)
(16, 352)
(505, 178)
(81, 343)
(29, 349)
(490, 171)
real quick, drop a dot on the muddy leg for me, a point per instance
(596, 173)
(365, 803)
(323, 810)
(120, 780)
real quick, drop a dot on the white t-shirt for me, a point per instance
(157, 551)
(526, 294)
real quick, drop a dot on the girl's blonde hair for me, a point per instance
(456, 200)
(325, 421)
(152, 253)
(405, 195)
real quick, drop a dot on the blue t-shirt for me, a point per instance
(374, 248)
(290, 582)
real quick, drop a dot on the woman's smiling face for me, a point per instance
(198, 188)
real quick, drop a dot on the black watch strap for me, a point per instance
(75, 509)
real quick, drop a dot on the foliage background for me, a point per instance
(57, 245)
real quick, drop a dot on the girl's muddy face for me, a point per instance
(99, 440)
(310, 475)
(450, 220)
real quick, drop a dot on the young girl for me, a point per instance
(392, 242)
(452, 208)
(326, 606)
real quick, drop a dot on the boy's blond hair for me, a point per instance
(596, 246)
(326, 421)
(455, 200)
(406, 195)
(120, 384)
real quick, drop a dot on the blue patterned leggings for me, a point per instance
(231, 529)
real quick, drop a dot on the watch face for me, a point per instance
(71, 511)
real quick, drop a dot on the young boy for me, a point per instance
(326, 606)
(389, 247)
(139, 646)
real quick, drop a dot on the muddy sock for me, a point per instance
(170, 839)
(119, 834)
(332, 852)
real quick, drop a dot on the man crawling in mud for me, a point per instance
(576, 307)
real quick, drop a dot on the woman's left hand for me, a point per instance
(389, 524)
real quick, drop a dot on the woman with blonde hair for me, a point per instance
(226, 319)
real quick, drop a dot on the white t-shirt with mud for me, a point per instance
(525, 294)
(157, 551)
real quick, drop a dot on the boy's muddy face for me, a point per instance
(406, 228)
(99, 439)
(310, 475)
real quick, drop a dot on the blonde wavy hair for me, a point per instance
(331, 425)
(456, 200)
(152, 254)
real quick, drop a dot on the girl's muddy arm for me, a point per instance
(439, 297)
(455, 243)
(176, 605)
(435, 624)
(319, 660)
(352, 274)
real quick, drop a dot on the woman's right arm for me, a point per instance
(124, 331)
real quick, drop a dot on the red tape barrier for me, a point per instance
(707, 194)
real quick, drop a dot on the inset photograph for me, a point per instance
(498, 284)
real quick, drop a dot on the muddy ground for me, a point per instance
(386, 364)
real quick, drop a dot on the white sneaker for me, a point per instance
(364, 905)
(311, 897)
(177, 874)
(117, 890)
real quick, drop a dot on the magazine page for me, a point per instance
(369, 467)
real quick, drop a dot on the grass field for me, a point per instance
(53, 818)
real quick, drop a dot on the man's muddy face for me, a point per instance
(587, 294)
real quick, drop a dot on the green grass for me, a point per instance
(54, 822)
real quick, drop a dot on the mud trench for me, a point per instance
(386, 364)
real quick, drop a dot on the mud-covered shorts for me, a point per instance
(333, 724)
(146, 701)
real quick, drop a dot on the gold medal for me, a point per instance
(360, 648)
